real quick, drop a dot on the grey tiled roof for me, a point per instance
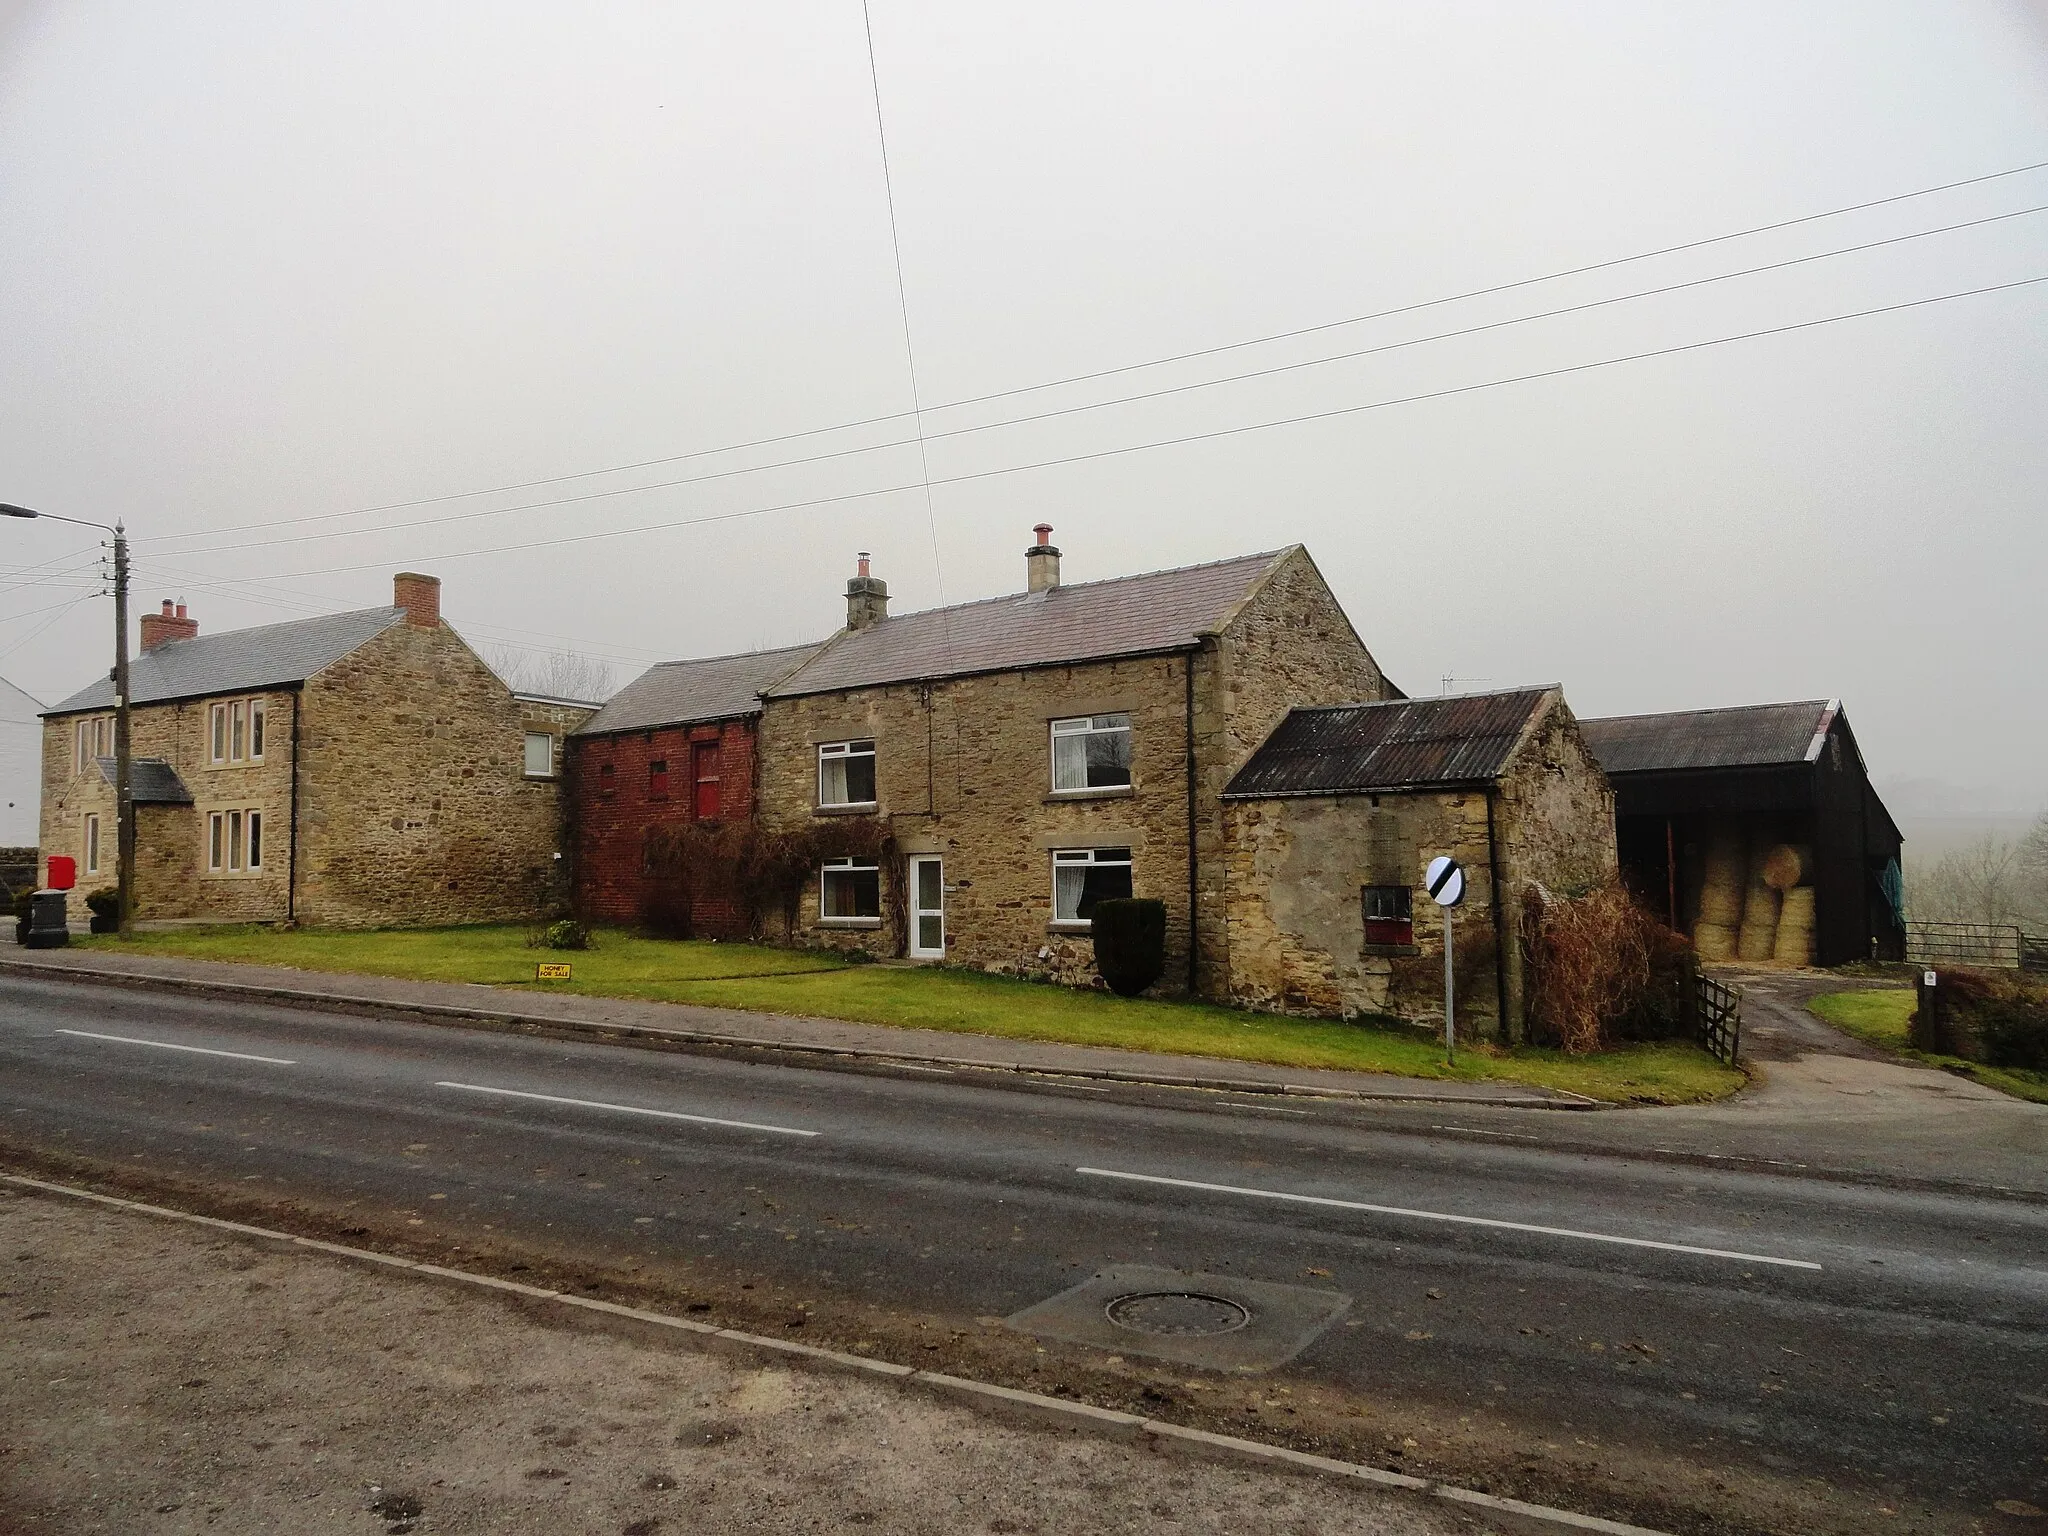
(1402, 744)
(238, 660)
(1748, 737)
(151, 780)
(1126, 616)
(678, 692)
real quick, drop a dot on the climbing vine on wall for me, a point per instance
(761, 873)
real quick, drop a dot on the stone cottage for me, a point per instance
(1329, 826)
(674, 748)
(998, 767)
(355, 770)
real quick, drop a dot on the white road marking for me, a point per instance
(629, 1109)
(1271, 1109)
(1468, 1221)
(1474, 1131)
(165, 1045)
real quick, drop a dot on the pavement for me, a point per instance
(1685, 1347)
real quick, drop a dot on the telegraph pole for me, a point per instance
(124, 766)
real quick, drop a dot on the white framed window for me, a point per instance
(92, 844)
(1083, 876)
(95, 740)
(216, 841)
(234, 842)
(255, 841)
(238, 732)
(539, 761)
(257, 711)
(850, 891)
(217, 733)
(1091, 752)
(846, 773)
(234, 731)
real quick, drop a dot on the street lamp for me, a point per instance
(124, 779)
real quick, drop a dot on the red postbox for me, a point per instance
(63, 872)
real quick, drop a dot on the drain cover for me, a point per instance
(1177, 1314)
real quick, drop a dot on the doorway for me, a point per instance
(927, 907)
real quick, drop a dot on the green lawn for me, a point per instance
(806, 982)
(1880, 1015)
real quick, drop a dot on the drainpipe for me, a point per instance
(291, 876)
(1501, 936)
(1188, 771)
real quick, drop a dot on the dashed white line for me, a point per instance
(1271, 1109)
(166, 1045)
(1467, 1221)
(629, 1109)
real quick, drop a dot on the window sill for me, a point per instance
(855, 808)
(1387, 951)
(849, 922)
(1107, 792)
(1070, 926)
(538, 778)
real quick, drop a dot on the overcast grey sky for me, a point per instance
(278, 261)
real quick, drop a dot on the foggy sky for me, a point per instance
(277, 261)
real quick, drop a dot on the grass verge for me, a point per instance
(766, 980)
(1880, 1015)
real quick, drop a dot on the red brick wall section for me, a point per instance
(610, 830)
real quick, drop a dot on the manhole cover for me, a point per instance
(1177, 1314)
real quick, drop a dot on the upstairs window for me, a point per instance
(657, 779)
(1389, 914)
(539, 757)
(607, 780)
(235, 731)
(846, 773)
(1083, 876)
(1091, 752)
(850, 889)
(95, 740)
(704, 780)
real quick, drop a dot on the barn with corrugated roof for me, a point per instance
(1756, 831)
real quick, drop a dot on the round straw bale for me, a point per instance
(1713, 941)
(1721, 889)
(1788, 865)
(1759, 930)
(1794, 943)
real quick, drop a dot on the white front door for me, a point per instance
(927, 907)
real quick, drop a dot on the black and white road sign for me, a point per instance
(1446, 880)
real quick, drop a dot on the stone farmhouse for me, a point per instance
(1328, 828)
(998, 767)
(355, 770)
(674, 748)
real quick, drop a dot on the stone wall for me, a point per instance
(609, 826)
(414, 805)
(171, 875)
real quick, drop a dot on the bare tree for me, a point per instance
(557, 674)
(1979, 883)
(2033, 861)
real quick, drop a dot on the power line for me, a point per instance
(1156, 362)
(1199, 437)
(1156, 394)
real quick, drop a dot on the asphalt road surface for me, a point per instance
(1687, 1347)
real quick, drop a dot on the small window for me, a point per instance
(216, 840)
(1091, 752)
(540, 755)
(256, 714)
(255, 840)
(704, 780)
(846, 773)
(84, 745)
(238, 732)
(218, 730)
(607, 780)
(657, 779)
(1083, 876)
(234, 840)
(92, 845)
(850, 888)
(1389, 914)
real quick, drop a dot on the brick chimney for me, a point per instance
(867, 598)
(171, 624)
(419, 596)
(1042, 562)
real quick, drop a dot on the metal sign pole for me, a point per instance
(1450, 1014)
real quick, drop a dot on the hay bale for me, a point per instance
(1794, 943)
(1714, 941)
(1721, 888)
(1758, 934)
(1788, 865)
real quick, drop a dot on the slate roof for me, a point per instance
(1345, 749)
(1755, 735)
(1089, 621)
(151, 780)
(238, 660)
(680, 692)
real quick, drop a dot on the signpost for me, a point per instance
(1445, 879)
(551, 970)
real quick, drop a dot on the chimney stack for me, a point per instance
(171, 624)
(419, 596)
(1042, 562)
(867, 598)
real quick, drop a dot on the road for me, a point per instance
(1687, 1347)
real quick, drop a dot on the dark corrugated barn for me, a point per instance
(1759, 777)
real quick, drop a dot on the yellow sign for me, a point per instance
(551, 970)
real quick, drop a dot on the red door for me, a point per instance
(704, 774)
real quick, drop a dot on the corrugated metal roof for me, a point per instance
(238, 660)
(1126, 616)
(1401, 744)
(1751, 736)
(679, 692)
(151, 780)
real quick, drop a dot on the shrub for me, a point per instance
(1602, 969)
(1130, 943)
(566, 934)
(1989, 1016)
(104, 902)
